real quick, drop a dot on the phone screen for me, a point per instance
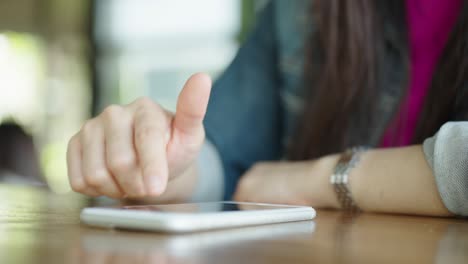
(204, 207)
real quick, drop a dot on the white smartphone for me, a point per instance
(190, 217)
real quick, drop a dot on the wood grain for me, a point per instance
(40, 227)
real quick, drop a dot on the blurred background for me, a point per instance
(63, 61)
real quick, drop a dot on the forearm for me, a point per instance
(396, 180)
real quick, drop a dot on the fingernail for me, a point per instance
(155, 186)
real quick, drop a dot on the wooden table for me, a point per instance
(39, 227)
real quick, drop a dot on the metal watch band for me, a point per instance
(340, 178)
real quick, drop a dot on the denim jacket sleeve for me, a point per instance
(243, 117)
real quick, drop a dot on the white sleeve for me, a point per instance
(447, 154)
(210, 185)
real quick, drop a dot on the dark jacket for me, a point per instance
(255, 103)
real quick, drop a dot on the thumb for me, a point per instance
(192, 103)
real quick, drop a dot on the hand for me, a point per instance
(133, 150)
(299, 183)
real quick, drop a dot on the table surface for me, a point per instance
(40, 227)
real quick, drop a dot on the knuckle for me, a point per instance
(74, 140)
(122, 163)
(97, 178)
(147, 132)
(132, 189)
(146, 107)
(144, 102)
(112, 112)
(77, 186)
(88, 127)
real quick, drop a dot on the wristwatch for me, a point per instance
(340, 178)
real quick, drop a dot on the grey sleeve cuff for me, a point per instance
(447, 154)
(210, 185)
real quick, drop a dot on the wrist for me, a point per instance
(319, 192)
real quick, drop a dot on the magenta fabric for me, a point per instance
(430, 23)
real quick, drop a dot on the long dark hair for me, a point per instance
(343, 70)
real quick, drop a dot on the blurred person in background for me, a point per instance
(315, 81)
(19, 162)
